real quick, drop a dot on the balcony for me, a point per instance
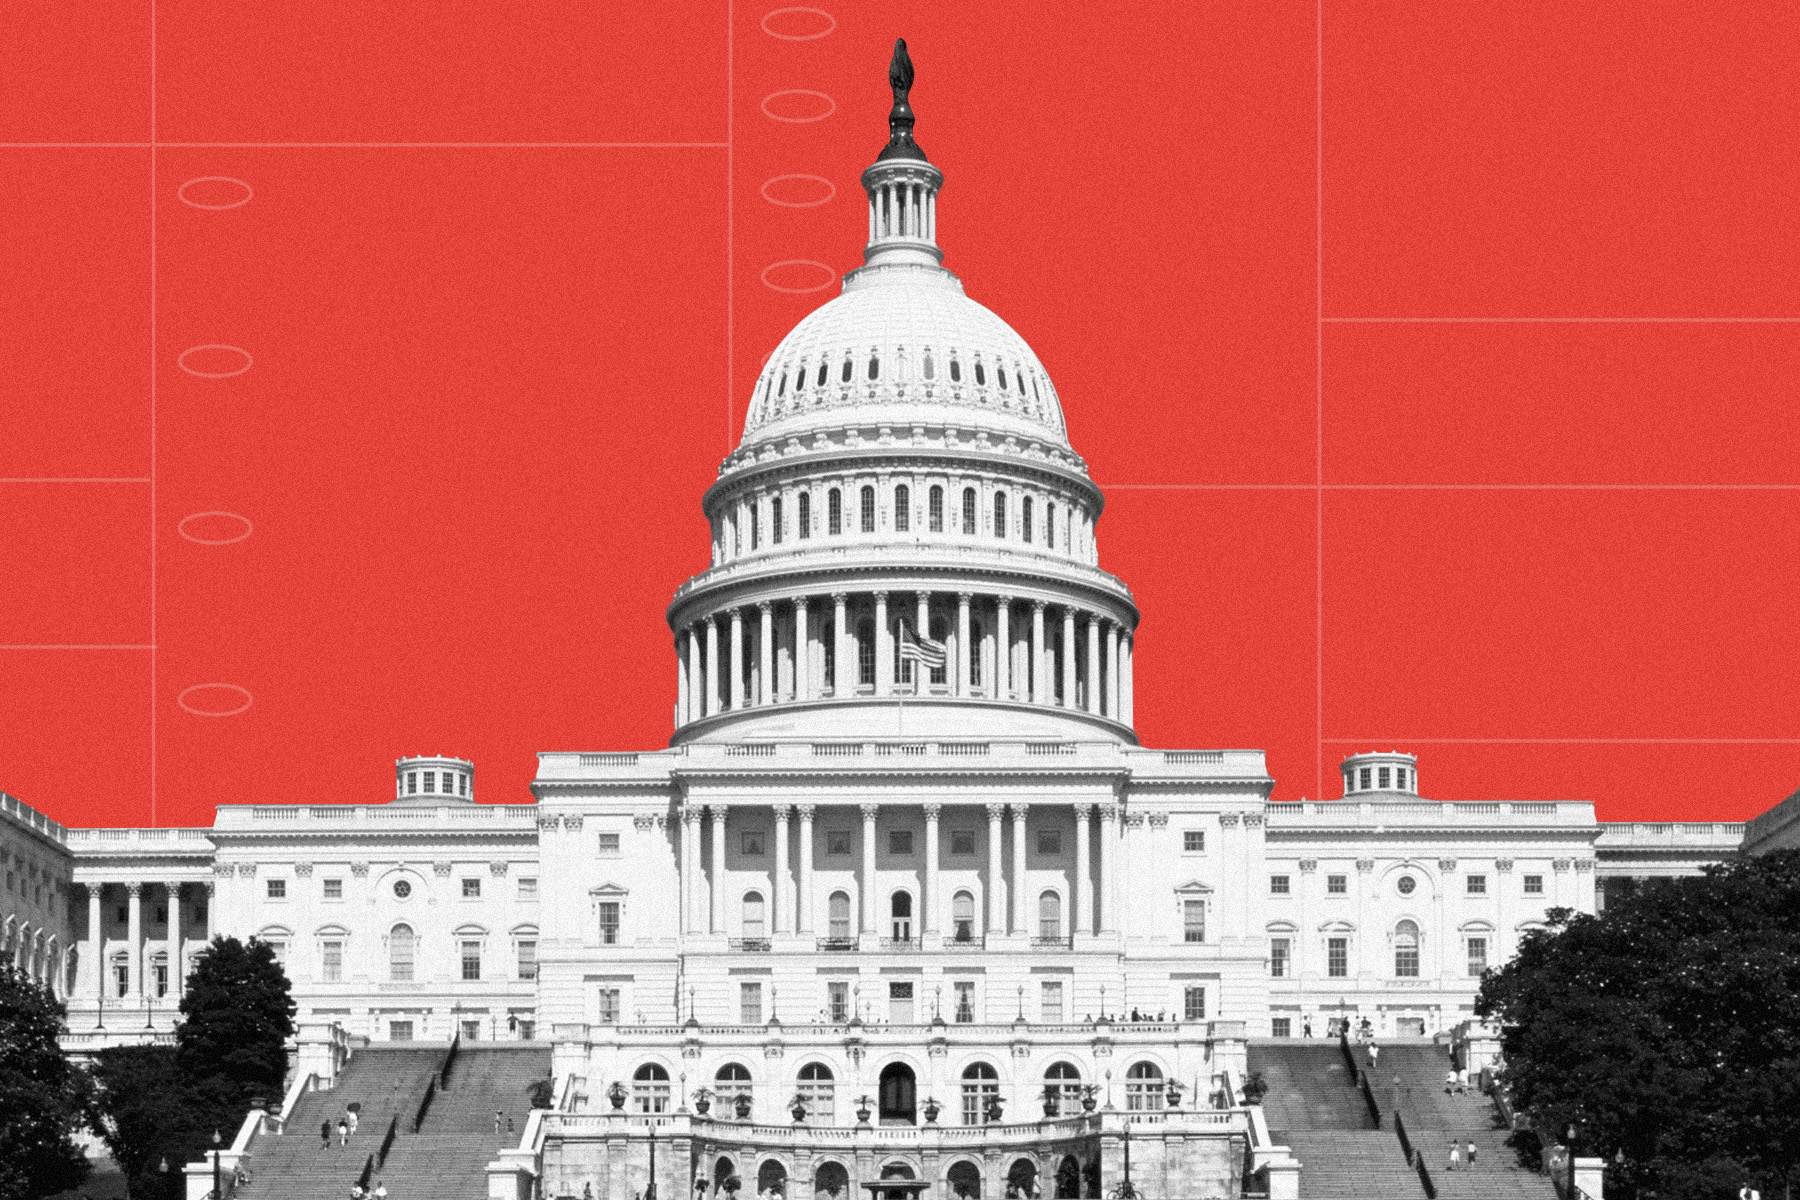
(1052, 943)
(839, 944)
(966, 941)
(754, 945)
(902, 944)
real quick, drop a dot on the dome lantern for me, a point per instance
(902, 185)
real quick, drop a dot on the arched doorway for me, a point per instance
(899, 1095)
(1068, 1178)
(724, 1173)
(771, 1177)
(1021, 1179)
(831, 1182)
(964, 1178)
(900, 910)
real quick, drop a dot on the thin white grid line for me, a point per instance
(1560, 320)
(152, 145)
(1571, 741)
(153, 351)
(46, 646)
(75, 479)
(1450, 487)
(1319, 361)
(730, 223)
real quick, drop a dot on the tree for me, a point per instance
(148, 1115)
(1668, 1028)
(43, 1099)
(237, 1015)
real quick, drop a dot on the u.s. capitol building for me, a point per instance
(903, 844)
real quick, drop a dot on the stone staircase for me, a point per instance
(1315, 1109)
(447, 1159)
(386, 1081)
(1434, 1118)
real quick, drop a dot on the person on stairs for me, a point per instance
(324, 1134)
(343, 1132)
(352, 1118)
(1455, 1156)
(1469, 1150)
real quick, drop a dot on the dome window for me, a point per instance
(969, 506)
(803, 525)
(930, 370)
(1025, 520)
(775, 520)
(1019, 378)
(874, 367)
(868, 510)
(955, 370)
(1001, 371)
(846, 369)
(999, 514)
(902, 508)
(800, 379)
(980, 375)
(834, 512)
(1050, 526)
(937, 504)
(822, 370)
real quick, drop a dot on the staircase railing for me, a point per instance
(368, 1173)
(1362, 1078)
(1349, 1055)
(425, 1104)
(443, 1074)
(1414, 1159)
(387, 1141)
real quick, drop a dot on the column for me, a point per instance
(174, 947)
(884, 648)
(736, 688)
(867, 885)
(843, 678)
(1040, 694)
(134, 936)
(922, 630)
(802, 647)
(717, 813)
(1068, 664)
(929, 917)
(681, 681)
(965, 653)
(1125, 677)
(1093, 664)
(804, 916)
(1018, 871)
(779, 918)
(712, 666)
(690, 869)
(696, 665)
(96, 939)
(1109, 841)
(1112, 671)
(1084, 893)
(767, 671)
(996, 892)
(1003, 648)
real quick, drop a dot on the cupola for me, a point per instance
(434, 779)
(1389, 775)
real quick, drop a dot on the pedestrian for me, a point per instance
(587, 1191)
(1455, 1156)
(1134, 1016)
(380, 1190)
(1374, 1053)
(1449, 1081)
(1306, 1027)
(353, 1122)
(324, 1134)
(1470, 1150)
(343, 1132)
(1462, 1081)
(509, 1125)
(356, 1191)
(496, 1120)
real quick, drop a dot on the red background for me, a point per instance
(1438, 361)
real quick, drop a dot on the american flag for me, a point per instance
(922, 650)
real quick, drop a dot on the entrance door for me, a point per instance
(1409, 1026)
(898, 1095)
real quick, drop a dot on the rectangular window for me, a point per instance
(471, 889)
(1400, 778)
(1476, 885)
(334, 889)
(412, 783)
(430, 782)
(837, 1000)
(400, 1031)
(1281, 1027)
(1052, 1002)
(278, 889)
(965, 1002)
(528, 889)
(1337, 957)
(1534, 885)
(161, 972)
(962, 841)
(1477, 956)
(900, 1002)
(471, 961)
(1363, 779)
(609, 922)
(1193, 1003)
(331, 961)
(1382, 778)
(462, 785)
(121, 977)
(755, 526)
(750, 1004)
(527, 959)
(1193, 920)
(900, 841)
(775, 520)
(471, 1030)
(449, 786)
(609, 1005)
(1193, 841)
(837, 841)
(1278, 885)
(1337, 885)
(803, 520)
(1279, 949)
(1406, 959)
(750, 843)
(1049, 841)
(609, 845)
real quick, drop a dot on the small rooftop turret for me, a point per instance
(1389, 775)
(433, 780)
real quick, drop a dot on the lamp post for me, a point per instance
(217, 1194)
(1126, 1191)
(650, 1187)
(1569, 1142)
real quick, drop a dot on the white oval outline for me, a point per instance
(798, 262)
(200, 712)
(249, 193)
(181, 528)
(805, 37)
(829, 196)
(181, 361)
(798, 92)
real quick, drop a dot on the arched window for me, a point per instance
(976, 634)
(930, 373)
(868, 510)
(955, 370)
(980, 1088)
(834, 512)
(999, 514)
(828, 646)
(1019, 378)
(822, 369)
(962, 916)
(1062, 1088)
(775, 520)
(1144, 1088)
(898, 1095)
(900, 909)
(999, 371)
(800, 379)
(803, 526)
(874, 367)
(937, 509)
(1050, 526)
(1406, 950)
(755, 525)
(846, 378)
(400, 954)
(902, 508)
(732, 1081)
(1025, 521)
(865, 652)
(969, 511)
(818, 1091)
(1050, 916)
(838, 911)
(755, 924)
(980, 375)
(650, 1089)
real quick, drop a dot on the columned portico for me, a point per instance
(804, 923)
(1083, 891)
(1109, 846)
(1068, 658)
(176, 973)
(134, 926)
(783, 903)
